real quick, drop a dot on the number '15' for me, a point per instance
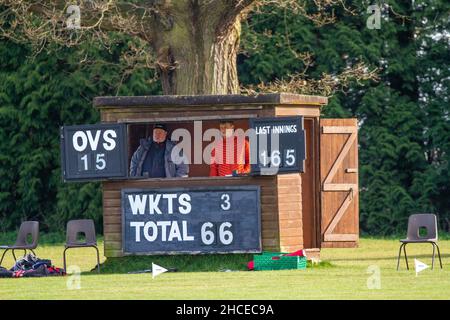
(100, 162)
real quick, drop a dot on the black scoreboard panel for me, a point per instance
(279, 146)
(191, 220)
(93, 152)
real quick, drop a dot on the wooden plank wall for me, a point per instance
(179, 113)
(310, 181)
(290, 212)
(281, 196)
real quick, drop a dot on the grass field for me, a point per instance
(345, 275)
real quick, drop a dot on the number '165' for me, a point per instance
(276, 160)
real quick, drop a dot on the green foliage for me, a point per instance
(404, 118)
(404, 121)
(37, 96)
(46, 239)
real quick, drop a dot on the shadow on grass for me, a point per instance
(411, 257)
(184, 263)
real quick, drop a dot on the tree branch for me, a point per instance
(42, 22)
(328, 85)
(231, 10)
(49, 20)
(322, 14)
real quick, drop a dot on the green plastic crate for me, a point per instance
(276, 261)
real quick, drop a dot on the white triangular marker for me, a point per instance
(157, 270)
(420, 266)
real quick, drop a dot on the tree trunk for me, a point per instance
(196, 41)
(197, 54)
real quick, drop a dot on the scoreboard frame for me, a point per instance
(300, 145)
(200, 246)
(121, 171)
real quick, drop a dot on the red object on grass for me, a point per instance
(298, 253)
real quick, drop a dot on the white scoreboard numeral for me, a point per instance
(290, 157)
(100, 161)
(276, 159)
(226, 205)
(207, 235)
(265, 160)
(225, 236)
(85, 160)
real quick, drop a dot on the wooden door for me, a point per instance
(310, 185)
(339, 182)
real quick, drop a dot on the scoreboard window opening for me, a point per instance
(196, 129)
(277, 146)
(262, 146)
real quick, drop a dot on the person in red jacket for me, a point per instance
(231, 154)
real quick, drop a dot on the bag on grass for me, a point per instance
(32, 266)
(4, 273)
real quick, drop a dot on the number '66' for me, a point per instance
(225, 235)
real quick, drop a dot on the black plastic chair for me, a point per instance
(86, 227)
(26, 228)
(415, 222)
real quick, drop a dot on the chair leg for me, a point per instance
(98, 259)
(439, 255)
(15, 259)
(399, 255)
(406, 257)
(434, 254)
(3, 255)
(64, 259)
(33, 252)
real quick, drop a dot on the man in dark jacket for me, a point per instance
(156, 157)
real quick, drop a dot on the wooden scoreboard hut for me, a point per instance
(314, 209)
